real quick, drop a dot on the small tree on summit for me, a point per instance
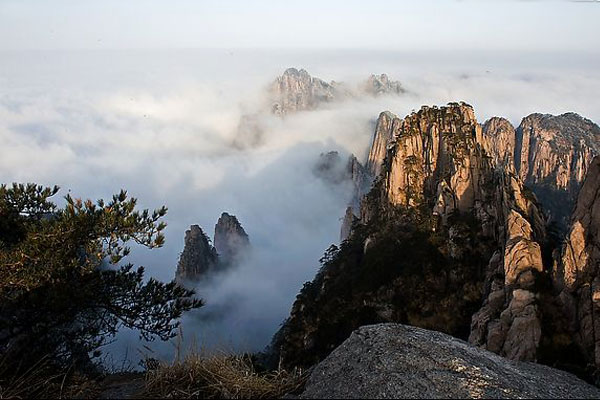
(60, 298)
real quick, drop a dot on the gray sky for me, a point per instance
(407, 25)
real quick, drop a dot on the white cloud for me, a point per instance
(162, 127)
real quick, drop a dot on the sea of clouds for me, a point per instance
(161, 124)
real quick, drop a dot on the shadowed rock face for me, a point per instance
(199, 257)
(552, 156)
(398, 361)
(549, 153)
(353, 175)
(577, 270)
(200, 260)
(231, 241)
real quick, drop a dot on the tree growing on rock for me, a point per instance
(63, 289)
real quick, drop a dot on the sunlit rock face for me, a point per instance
(577, 269)
(199, 258)
(499, 139)
(447, 230)
(231, 241)
(451, 238)
(432, 146)
(552, 155)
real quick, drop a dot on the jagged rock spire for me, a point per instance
(231, 241)
(198, 258)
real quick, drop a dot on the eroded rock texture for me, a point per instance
(431, 240)
(451, 238)
(392, 361)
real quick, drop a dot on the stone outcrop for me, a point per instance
(577, 270)
(499, 139)
(296, 90)
(377, 85)
(432, 146)
(398, 361)
(387, 123)
(198, 259)
(231, 241)
(509, 322)
(361, 182)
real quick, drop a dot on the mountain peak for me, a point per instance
(231, 240)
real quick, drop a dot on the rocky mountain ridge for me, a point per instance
(297, 91)
(451, 239)
(550, 154)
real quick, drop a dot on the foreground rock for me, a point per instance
(399, 361)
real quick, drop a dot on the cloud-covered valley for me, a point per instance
(162, 124)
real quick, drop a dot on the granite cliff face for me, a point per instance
(552, 156)
(450, 238)
(200, 260)
(499, 138)
(423, 248)
(387, 124)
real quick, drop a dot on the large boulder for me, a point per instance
(399, 361)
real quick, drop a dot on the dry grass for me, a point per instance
(42, 381)
(219, 377)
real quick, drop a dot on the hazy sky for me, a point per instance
(425, 24)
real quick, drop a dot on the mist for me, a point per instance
(161, 124)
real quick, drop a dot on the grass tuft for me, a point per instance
(219, 376)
